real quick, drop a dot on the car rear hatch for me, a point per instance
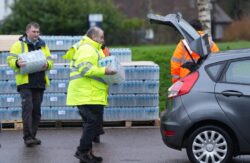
(197, 43)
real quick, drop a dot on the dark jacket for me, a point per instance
(36, 80)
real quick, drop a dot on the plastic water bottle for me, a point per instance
(139, 86)
(112, 118)
(9, 74)
(110, 100)
(2, 116)
(106, 115)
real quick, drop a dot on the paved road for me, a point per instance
(118, 145)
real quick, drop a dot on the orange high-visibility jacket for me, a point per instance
(181, 56)
(106, 52)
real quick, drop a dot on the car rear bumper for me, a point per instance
(174, 120)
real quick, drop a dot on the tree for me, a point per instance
(204, 14)
(64, 17)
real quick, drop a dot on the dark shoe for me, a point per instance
(86, 157)
(101, 132)
(97, 139)
(37, 141)
(97, 158)
(29, 142)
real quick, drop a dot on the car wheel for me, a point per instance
(209, 144)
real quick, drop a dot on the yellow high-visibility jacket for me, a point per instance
(86, 86)
(17, 49)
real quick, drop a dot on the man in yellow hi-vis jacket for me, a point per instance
(30, 86)
(87, 90)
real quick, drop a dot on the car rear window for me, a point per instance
(238, 72)
(214, 70)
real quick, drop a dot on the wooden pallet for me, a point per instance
(18, 125)
(129, 124)
(60, 123)
(78, 123)
(11, 125)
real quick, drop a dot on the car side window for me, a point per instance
(214, 70)
(238, 72)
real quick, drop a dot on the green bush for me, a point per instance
(69, 17)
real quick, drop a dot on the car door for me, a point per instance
(233, 94)
(197, 43)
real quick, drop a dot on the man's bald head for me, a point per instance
(96, 34)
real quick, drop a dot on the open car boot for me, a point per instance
(195, 43)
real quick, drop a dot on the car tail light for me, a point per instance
(169, 133)
(183, 86)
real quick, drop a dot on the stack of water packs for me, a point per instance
(133, 91)
(113, 64)
(34, 61)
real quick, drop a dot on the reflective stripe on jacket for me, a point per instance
(18, 48)
(181, 56)
(70, 53)
(86, 85)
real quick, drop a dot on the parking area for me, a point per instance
(118, 145)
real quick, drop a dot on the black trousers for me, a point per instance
(100, 130)
(31, 111)
(93, 117)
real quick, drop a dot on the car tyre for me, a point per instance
(209, 144)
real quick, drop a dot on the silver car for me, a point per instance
(208, 111)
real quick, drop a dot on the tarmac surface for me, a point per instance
(118, 145)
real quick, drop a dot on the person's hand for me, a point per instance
(190, 66)
(20, 63)
(109, 71)
(45, 67)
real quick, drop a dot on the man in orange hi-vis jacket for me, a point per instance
(181, 55)
(106, 51)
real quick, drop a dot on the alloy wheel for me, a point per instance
(209, 144)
